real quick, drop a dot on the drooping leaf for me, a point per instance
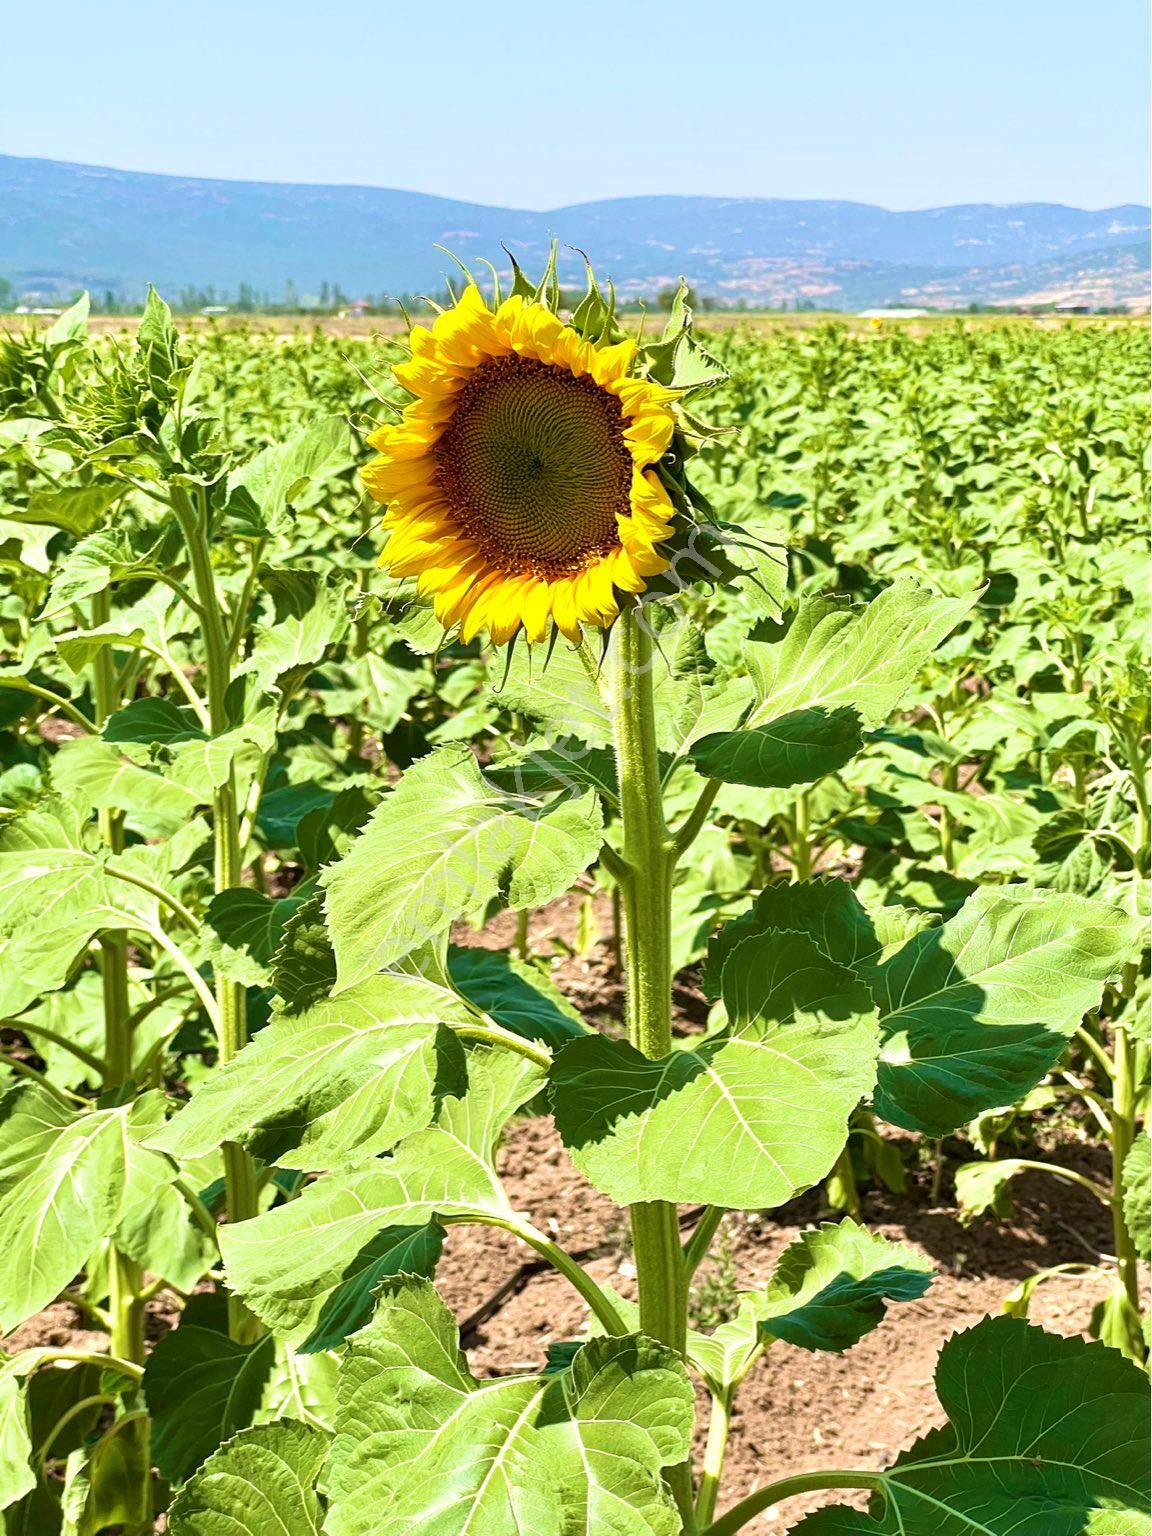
(748, 1117)
(16, 1475)
(437, 849)
(975, 1012)
(62, 1186)
(201, 1387)
(421, 1446)
(985, 1186)
(829, 1288)
(335, 1085)
(1044, 1433)
(262, 1481)
(287, 1262)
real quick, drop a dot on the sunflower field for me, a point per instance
(573, 896)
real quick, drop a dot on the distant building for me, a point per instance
(1072, 307)
(356, 310)
(214, 309)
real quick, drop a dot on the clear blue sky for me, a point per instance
(906, 103)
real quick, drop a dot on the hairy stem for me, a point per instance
(231, 997)
(1124, 1090)
(125, 1278)
(646, 888)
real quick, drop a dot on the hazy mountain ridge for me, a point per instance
(64, 225)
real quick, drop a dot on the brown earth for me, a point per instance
(798, 1412)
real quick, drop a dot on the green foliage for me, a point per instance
(421, 1445)
(1040, 1429)
(201, 1388)
(263, 1479)
(898, 795)
(439, 847)
(733, 1121)
(830, 1287)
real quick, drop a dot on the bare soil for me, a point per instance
(799, 1411)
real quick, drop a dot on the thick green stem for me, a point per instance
(523, 944)
(646, 888)
(1124, 1087)
(231, 997)
(801, 839)
(841, 1188)
(125, 1279)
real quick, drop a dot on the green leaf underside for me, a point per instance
(1045, 1434)
(423, 1447)
(441, 846)
(395, 1251)
(797, 748)
(745, 1119)
(261, 1482)
(830, 1287)
(346, 1079)
(153, 722)
(286, 1263)
(63, 1186)
(201, 1388)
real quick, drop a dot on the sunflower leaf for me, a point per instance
(420, 1441)
(439, 848)
(748, 1117)
(1043, 1433)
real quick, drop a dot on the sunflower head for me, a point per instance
(532, 480)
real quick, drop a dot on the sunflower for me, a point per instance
(520, 481)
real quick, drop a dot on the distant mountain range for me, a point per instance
(64, 226)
